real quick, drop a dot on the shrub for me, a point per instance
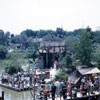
(62, 76)
(3, 52)
(12, 69)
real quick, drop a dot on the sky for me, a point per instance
(19, 15)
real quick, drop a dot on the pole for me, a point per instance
(34, 91)
(89, 92)
(99, 88)
(2, 95)
(34, 81)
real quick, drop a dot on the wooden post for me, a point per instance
(89, 93)
(2, 98)
(99, 87)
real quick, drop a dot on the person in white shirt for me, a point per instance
(57, 84)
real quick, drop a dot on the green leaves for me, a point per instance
(84, 48)
(62, 76)
(3, 52)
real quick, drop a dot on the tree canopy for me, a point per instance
(82, 45)
(84, 48)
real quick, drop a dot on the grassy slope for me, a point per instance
(17, 57)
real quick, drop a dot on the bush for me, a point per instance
(12, 69)
(3, 52)
(62, 76)
(13, 66)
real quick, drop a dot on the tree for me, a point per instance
(68, 61)
(96, 57)
(7, 38)
(29, 33)
(71, 41)
(60, 32)
(84, 47)
(2, 38)
(96, 36)
(3, 52)
(61, 75)
(13, 69)
(51, 37)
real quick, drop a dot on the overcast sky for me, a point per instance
(18, 15)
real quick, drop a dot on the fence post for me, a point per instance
(89, 93)
(2, 95)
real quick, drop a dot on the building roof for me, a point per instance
(78, 73)
(74, 77)
(85, 71)
(52, 43)
(52, 46)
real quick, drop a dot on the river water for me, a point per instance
(13, 95)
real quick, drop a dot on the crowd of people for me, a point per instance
(88, 85)
(55, 89)
(58, 89)
(19, 80)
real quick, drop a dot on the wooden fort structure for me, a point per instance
(49, 51)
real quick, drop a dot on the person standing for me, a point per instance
(53, 91)
(57, 84)
(48, 86)
(55, 65)
(30, 75)
(74, 92)
(69, 89)
(40, 90)
(64, 91)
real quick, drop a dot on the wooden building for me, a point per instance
(50, 52)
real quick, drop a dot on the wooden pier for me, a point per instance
(95, 96)
(92, 97)
(17, 89)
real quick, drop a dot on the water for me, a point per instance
(13, 95)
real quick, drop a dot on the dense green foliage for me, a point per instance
(62, 76)
(13, 69)
(82, 47)
(96, 57)
(3, 52)
(17, 58)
